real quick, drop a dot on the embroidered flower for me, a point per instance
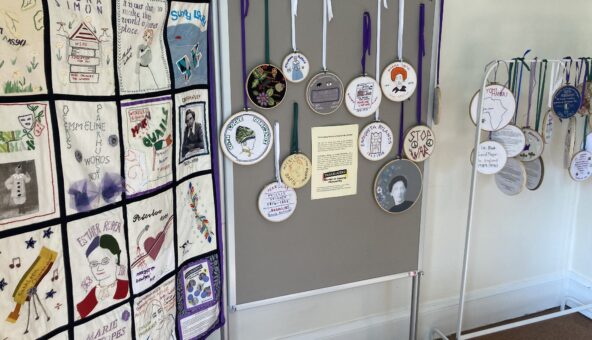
(279, 87)
(263, 99)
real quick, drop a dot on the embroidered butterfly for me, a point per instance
(186, 63)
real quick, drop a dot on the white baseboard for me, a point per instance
(482, 307)
(580, 287)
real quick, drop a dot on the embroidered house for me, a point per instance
(84, 55)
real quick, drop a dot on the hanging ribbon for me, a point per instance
(401, 121)
(294, 142)
(276, 135)
(519, 80)
(267, 58)
(555, 70)
(294, 11)
(568, 69)
(531, 85)
(378, 30)
(420, 55)
(327, 16)
(401, 26)
(366, 39)
(244, 11)
(540, 94)
(585, 65)
(586, 130)
(439, 42)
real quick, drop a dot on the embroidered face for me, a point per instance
(399, 189)
(189, 118)
(158, 316)
(103, 265)
(103, 258)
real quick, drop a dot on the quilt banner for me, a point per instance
(109, 185)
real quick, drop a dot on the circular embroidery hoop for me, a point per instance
(580, 168)
(277, 202)
(512, 178)
(589, 142)
(419, 143)
(398, 81)
(499, 106)
(566, 101)
(296, 170)
(363, 96)
(397, 186)
(266, 86)
(548, 123)
(570, 143)
(511, 138)
(375, 141)
(534, 146)
(324, 93)
(246, 137)
(491, 157)
(535, 172)
(295, 67)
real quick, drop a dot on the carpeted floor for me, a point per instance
(570, 327)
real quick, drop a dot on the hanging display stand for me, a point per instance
(266, 85)
(324, 93)
(295, 64)
(399, 80)
(376, 139)
(419, 141)
(246, 137)
(363, 94)
(467, 244)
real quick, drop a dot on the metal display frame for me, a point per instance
(469, 227)
(224, 107)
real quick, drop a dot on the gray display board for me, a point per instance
(333, 241)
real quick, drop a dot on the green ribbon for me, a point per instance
(540, 94)
(294, 142)
(267, 59)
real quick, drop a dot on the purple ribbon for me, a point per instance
(420, 55)
(244, 11)
(366, 39)
(400, 153)
(440, 41)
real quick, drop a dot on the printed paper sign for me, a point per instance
(148, 137)
(22, 64)
(28, 190)
(192, 144)
(98, 252)
(82, 47)
(334, 161)
(197, 214)
(188, 42)
(33, 296)
(90, 153)
(150, 228)
(155, 313)
(141, 55)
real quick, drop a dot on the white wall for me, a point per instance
(521, 245)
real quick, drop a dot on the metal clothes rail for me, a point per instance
(436, 332)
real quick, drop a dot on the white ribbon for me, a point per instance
(327, 16)
(378, 26)
(401, 25)
(552, 84)
(276, 133)
(294, 10)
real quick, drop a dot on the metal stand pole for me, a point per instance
(415, 283)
